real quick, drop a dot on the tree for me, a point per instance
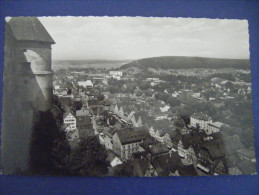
(173, 101)
(49, 147)
(100, 97)
(89, 159)
(77, 105)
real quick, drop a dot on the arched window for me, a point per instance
(37, 62)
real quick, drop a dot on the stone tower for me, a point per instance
(27, 88)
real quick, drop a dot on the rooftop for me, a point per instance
(29, 29)
(131, 136)
(201, 116)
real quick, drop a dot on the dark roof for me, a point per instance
(215, 165)
(93, 102)
(246, 152)
(159, 149)
(201, 116)
(140, 167)
(106, 102)
(188, 170)
(131, 136)
(29, 29)
(81, 120)
(215, 150)
(166, 164)
(231, 161)
(186, 140)
(139, 155)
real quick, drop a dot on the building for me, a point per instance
(200, 120)
(71, 133)
(213, 127)
(167, 140)
(86, 84)
(27, 87)
(126, 142)
(69, 119)
(106, 138)
(84, 125)
(115, 74)
(209, 158)
(245, 154)
(157, 150)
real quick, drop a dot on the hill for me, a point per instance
(108, 64)
(180, 62)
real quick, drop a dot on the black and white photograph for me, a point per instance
(127, 97)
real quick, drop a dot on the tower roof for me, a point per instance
(29, 29)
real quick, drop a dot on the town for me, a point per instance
(158, 122)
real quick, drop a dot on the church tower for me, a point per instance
(27, 88)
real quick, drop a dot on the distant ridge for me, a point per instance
(181, 62)
(81, 62)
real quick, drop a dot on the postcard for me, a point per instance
(127, 97)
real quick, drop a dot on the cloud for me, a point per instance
(140, 37)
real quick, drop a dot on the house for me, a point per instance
(86, 84)
(85, 126)
(92, 103)
(210, 154)
(245, 154)
(213, 127)
(106, 138)
(116, 161)
(71, 133)
(126, 142)
(152, 132)
(219, 168)
(143, 168)
(157, 149)
(69, 119)
(106, 104)
(165, 108)
(166, 165)
(115, 75)
(200, 120)
(167, 140)
(83, 112)
(113, 159)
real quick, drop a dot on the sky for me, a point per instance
(126, 38)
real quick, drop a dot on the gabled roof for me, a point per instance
(140, 166)
(166, 164)
(131, 136)
(215, 150)
(29, 29)
(83, 112)
(201, 116)
(67, 113)
(82, 120)
(159, 149)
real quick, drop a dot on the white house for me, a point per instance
(200, 120)
(167, 140)
(213, 127)
(86, 84)
(116, 161)
(70, 120)
(115, 74)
